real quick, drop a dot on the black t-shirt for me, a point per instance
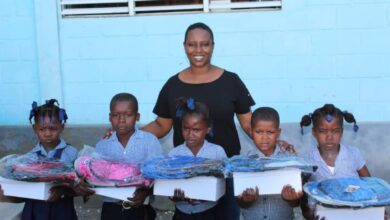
(224, 96)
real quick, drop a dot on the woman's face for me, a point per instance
(199, 47)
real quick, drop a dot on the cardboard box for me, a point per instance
(200, 187)
(371, 213)
(268, 182)
(31, 190)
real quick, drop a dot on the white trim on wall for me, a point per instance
(80, 8)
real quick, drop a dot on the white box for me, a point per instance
(200, 187)
(371, 213)
(268, 182)
(121, 193)
(31, 190)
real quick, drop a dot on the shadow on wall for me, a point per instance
(371, 139)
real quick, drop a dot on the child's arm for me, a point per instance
(363, 172)
(248, 197)
(291, 196)
(4, 198)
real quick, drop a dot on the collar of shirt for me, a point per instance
(38, 147)
(199, 154)
(256, 151)
(137, 135)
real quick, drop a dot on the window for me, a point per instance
(138, 7)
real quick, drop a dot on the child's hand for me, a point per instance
(284, 146)
(179, 196)
(250, 195)
(289, 193)
(139, 197)
(2, 196)
(59, 192)
(83, 189)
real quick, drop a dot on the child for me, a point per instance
(49, 122)
(333, 159)
(196, 124)
(131, 145)
(265, 132)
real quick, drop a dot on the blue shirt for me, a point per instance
(69, 154)
(210, 151)
(141, 146)
(348, 162)
(268, 206)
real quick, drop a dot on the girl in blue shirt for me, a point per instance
(48, 124)
(333, 159)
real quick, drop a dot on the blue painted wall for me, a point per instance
(19, 81)
(296, 59)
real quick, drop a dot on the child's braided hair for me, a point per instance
(328, 112)
(51, 109)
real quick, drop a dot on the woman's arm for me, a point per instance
(363, 172)
(159, 127)
(245, 122)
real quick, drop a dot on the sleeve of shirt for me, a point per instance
(162, 104)
(174, 152)
(69, 155)
(358, 158)
(244, 100)
(99, 148)
(155, 149)
(222, 154)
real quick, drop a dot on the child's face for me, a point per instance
(123, 117)
(48, 133)
(265, 135)
(328, 134)
(194, 131)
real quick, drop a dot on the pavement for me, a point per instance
(10, 211)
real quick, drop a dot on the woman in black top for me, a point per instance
(222, 91)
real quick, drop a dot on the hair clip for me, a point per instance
(191, 104)
(355, 127)
(62, 116)
(179, 112)
(328, 118)
(34, 106)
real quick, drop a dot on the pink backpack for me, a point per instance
(99, 172)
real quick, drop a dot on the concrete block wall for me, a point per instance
(295, 59)
(19, 83)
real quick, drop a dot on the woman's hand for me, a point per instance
(284, 146)
(108, 134)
